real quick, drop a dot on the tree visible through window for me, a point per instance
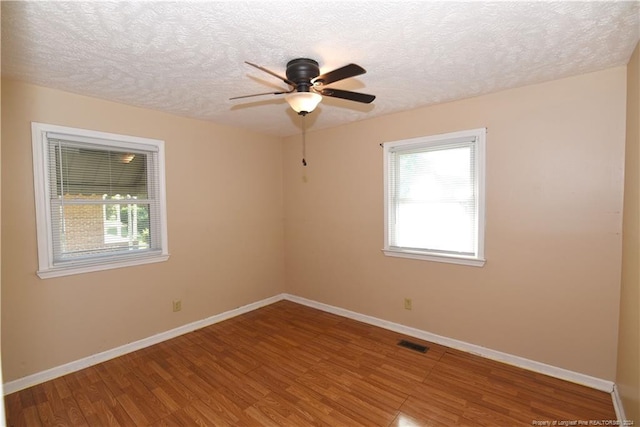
(125, 223)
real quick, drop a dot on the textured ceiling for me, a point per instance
(187, 58)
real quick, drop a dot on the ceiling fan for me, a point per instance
(308, 86)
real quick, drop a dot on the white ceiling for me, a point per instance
(187, 57)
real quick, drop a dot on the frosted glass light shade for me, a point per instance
(303, 101)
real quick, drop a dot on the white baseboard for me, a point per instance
(58, 371)
(617, 405)
(531, 365)
(564, 374)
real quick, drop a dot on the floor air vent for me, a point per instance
(413, 346)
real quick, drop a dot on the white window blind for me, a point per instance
(434, 197)
(100, 201)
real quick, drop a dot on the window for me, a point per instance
(434, 197)
(100, 200)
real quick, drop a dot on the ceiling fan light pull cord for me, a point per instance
(304, 141)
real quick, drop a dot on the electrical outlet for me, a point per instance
(407, 304)
(177, 305)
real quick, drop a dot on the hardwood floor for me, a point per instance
(290, 365)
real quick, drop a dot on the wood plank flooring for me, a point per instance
(291, 365)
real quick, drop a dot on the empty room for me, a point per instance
(278, 213)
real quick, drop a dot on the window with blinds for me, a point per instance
(434, 197)
(100, 200)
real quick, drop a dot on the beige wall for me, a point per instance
(628, 374)
(224, 196)
(550, 289)
(2, 416)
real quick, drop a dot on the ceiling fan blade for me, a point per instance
(341, 73)
(289, 82)
(261, 94)
(346, 94)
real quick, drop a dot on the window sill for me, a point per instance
(79, 268)
(450, 259)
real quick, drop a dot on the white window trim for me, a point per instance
(46, 267)
(480, 158)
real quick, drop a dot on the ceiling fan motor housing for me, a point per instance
(301, 71)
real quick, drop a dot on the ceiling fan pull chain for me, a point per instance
(304, 142)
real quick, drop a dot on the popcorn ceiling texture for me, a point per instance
(187, 58)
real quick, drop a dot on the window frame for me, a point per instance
(44, 230)
(452, 138)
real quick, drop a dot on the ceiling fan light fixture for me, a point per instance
(303, 102)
